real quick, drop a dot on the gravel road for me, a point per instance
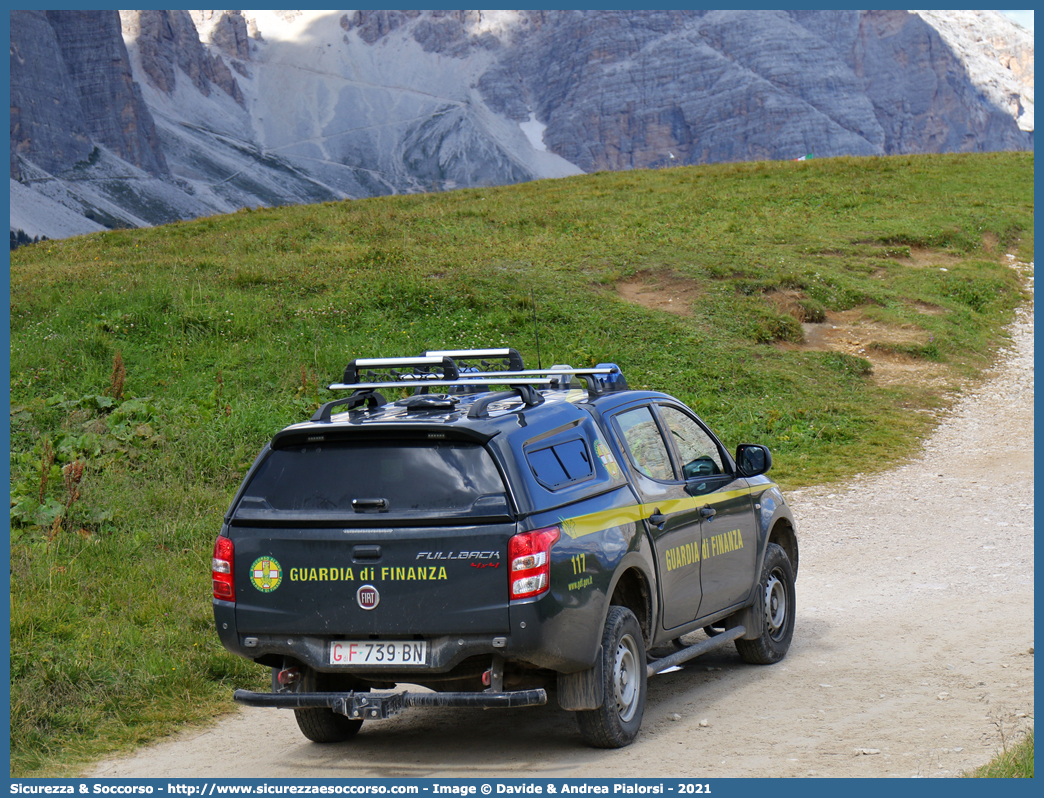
(913, 654)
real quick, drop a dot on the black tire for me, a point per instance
(318, 724)
(616, 723)
(777, 600)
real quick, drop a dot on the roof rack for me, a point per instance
(605, 378)
(485, 369)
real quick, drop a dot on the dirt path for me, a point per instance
(913, 654)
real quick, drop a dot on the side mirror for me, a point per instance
(753, 459)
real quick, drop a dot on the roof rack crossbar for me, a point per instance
(530, 397)
(506, 358)
(463, 382)
(369, 397)
(369, 369)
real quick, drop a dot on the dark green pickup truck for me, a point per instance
(496, 533)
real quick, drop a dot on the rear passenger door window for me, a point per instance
(644, 444)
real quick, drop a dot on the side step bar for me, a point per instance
(384, 705)
(696, 650)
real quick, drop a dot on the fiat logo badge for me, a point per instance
(367, 597)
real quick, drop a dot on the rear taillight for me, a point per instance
(530, 556)
(221, 569)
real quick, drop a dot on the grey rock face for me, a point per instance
(997, 57)
(630, 89)
(448, 150)
(373, 25)
(168, 43)
(446, 32)
(620, 90)
(934, 107)
(71, 88)
(226, 30)
(47, 124)
(115, 113)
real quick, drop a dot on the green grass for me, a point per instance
(1012, 763)
(230, 327)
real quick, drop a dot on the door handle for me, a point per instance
(708, 512)
(658, 519)
(366, 553)
(369, 505)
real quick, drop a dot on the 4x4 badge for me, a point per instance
(367, 597)
(265, 574)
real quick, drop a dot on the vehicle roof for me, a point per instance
(508, 426)
(509, 415)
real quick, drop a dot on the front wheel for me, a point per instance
(776, 599)
(616, 723)
(319, 724)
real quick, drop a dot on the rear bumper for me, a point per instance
(540, 635)
(375, 706)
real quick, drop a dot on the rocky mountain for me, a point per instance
(135, 118)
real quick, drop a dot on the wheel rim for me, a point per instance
(626, 682)
(775, 606)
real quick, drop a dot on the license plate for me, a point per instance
(379, 652)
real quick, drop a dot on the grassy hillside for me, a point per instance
(149, 366)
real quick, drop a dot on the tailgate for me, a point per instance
(388, 581)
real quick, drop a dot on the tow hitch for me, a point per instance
(370, 707)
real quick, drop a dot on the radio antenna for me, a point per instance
(536, 328)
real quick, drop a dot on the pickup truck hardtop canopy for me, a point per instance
(538, 405)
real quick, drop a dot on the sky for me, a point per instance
(1024, 18)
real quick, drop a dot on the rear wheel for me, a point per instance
(776, 599)
(616, 723)
(319, 724)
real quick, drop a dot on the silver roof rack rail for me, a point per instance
(506, 359)
(396, 370)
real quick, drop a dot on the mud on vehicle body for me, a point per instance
(564, 532)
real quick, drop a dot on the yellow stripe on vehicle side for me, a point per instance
(618, 516)
(583, 525)
(666, 507)
(604, 519)
(713, 498)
